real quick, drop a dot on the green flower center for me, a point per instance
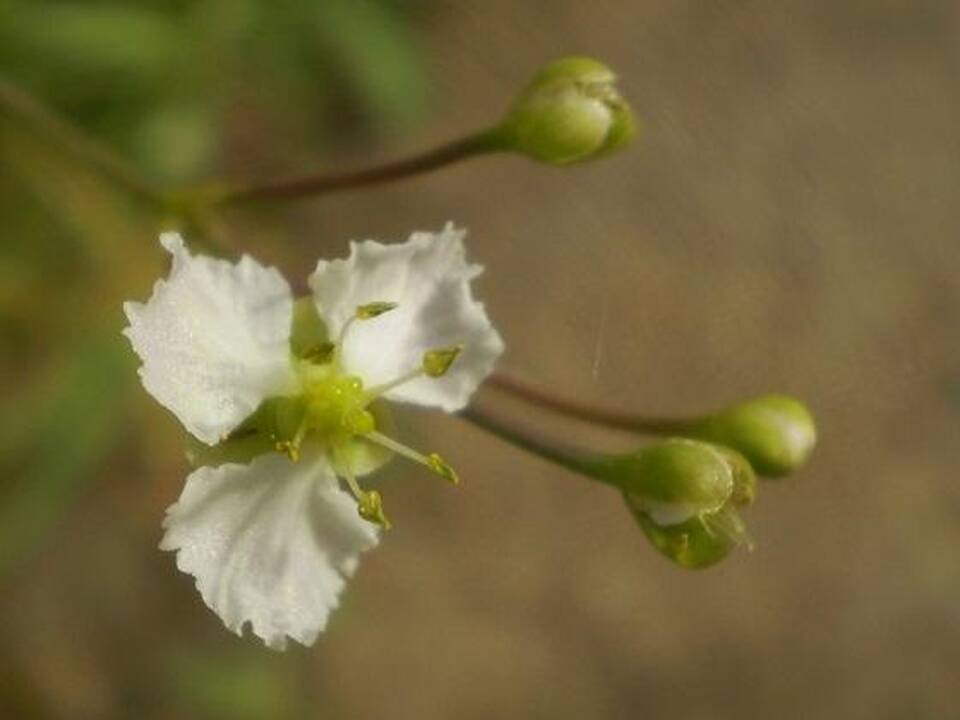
(331, 410)
(335, 403)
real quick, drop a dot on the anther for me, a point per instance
(291, 448)
(437, 362)
(370, 508)
(432, 461)
(374, 309)
(288, 448)
(367, 311)
(369, 502)
(442, 468)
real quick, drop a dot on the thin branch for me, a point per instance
(603, 416)
(526, 439)
(323, 184)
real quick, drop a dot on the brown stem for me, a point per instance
(583, 411)
(321, 184)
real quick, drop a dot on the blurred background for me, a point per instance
(788, 220)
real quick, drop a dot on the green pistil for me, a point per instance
(336, 405)
(333, 409)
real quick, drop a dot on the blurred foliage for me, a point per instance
(162, 80)
(237, 686)
(64, 368)
(56, 438)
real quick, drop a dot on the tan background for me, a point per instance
(787, 221)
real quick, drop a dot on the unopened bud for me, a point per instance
(571, 112)
(671, 481)
(684, 494)
(776, 433)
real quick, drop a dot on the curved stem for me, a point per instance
(19, 107)
(523, 438)
(583, 411)
(322, 184)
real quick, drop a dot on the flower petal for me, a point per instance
(271, 543)
(213, 338)
(429, 277)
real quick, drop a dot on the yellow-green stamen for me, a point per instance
(437, 362)
(433, 461)
(368, 311)
(334, 410)
(378, 390)
(369, 502)
(374, 309)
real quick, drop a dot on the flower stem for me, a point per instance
(583, 411)
(481, 143)
(523, 438)
(19, 107)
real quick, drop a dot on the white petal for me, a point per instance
(213, 338)
(271, 543)
(429, 277)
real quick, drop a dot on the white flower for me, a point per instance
(288, 395)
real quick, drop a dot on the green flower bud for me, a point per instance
(684, 494)
(571, 112)
(776, 433)
(672, 481)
